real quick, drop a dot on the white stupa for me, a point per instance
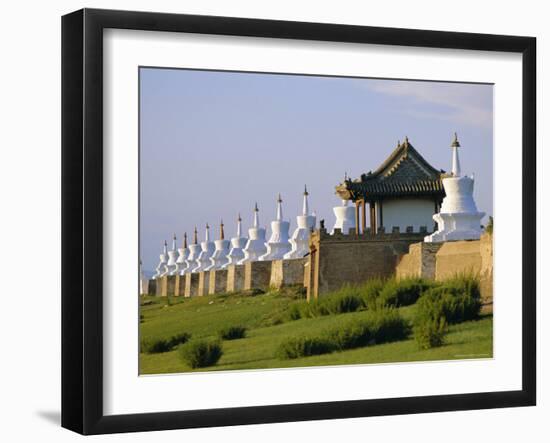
(278, 244)
(194, 251)
(238, 243)
(183, 252)
(300, 237)
(458, 218)
(162, 269)
(345, 217)
(172, 258)
(219, 257)
(207, 249)
(255, 246)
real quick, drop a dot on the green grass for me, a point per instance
(266, 317)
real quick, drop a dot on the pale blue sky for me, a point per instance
(213, 143)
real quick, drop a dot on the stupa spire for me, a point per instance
(305, 207)
(195, 236)
(165, 249)
(174, 242)
(239, 228)
(256, 223)
(455, 169)
(207, 233)
(222, 236)
(185, 240)
(279, 208)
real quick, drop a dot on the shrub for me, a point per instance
(297, 347)
(200, 353)
(157, 346)
(295, 311)
(377, 327)
(456, 300)
(430, 324)
(403, 292)
(370, 292)
(459, 297)
(232, 332)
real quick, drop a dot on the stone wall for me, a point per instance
(204, 279)
(336, 260)
(457, 257)
(420, 261)
(441, 261)
(287, 273)
(179, 288)
(486, 273)
(167, 284)
(217, 281)
(339, 259)
(191, 284)
(235, 278)
(257, 275)
(152, 288)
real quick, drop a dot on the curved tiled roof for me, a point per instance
(404, 173)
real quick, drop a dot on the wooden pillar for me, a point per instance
(364, 217)
(380, 210)
(357, 203)
(372, 218)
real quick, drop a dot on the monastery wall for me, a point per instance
(339, 259)
(441, 261)
(336, 260)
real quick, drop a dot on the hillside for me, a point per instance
(266, 317)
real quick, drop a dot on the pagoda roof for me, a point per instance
(404, 173)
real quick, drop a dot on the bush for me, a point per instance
(232, 332)
(370, 291)
(303, 347)
(455, 301)
(160, 345)
(200, 353)
(295, 311)
(430, 324)
(377, 327)
(459, 297)
(403, 292)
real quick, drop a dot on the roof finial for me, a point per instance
(221, 230)
(305, 190)
(346, 176)
(195, 236)
(207, 233)
(185, 240)
(406, 142)
(398, 143)
(165, 248)
(174, 242)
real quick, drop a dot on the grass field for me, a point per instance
(265, 317)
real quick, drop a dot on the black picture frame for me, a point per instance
(82, 215)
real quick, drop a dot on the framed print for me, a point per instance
(269, 221)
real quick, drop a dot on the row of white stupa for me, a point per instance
(218, 254)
